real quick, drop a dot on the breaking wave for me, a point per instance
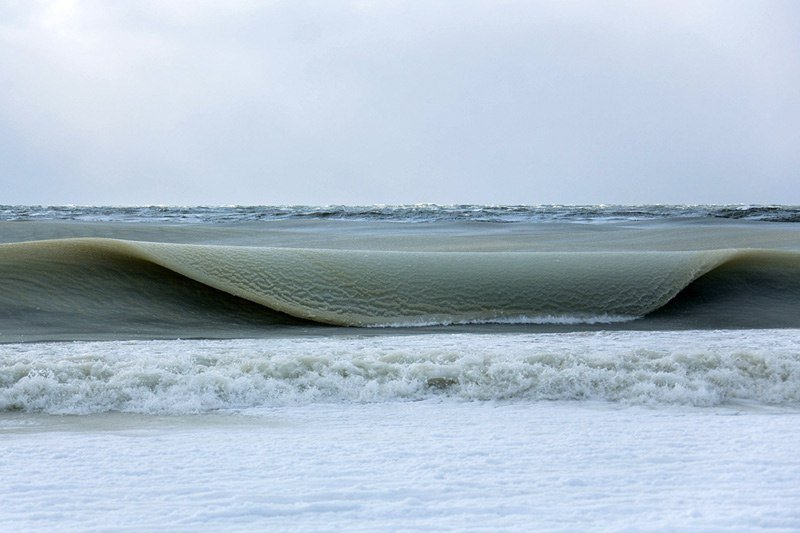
(107, 281)
(699, 368)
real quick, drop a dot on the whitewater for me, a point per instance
(399, 367)
(698, 368)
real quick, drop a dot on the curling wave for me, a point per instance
(91, 282)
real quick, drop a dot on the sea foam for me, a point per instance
(699, 368)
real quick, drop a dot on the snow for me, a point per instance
(440, 463)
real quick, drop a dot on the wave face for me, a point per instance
(72, 280)
(174, 377)
(125, 281)
(117, 285)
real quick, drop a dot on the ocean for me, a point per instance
(399, 367)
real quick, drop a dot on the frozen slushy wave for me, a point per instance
(376, 288)
(651, 368)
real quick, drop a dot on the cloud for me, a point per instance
(394, 102)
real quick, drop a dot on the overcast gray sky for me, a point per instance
(265, 102)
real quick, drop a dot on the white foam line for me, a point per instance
(520, 319)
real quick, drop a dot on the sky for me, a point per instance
(355, 102)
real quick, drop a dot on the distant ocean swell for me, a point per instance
(177, 377)
(120, 281)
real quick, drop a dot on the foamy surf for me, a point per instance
(701, 368)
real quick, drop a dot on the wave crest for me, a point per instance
(116, 282)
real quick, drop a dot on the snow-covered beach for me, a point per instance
(433, 464)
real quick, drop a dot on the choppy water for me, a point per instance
(399, 213)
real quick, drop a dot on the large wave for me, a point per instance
(108, 280)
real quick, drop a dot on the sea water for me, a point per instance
(149, 378)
